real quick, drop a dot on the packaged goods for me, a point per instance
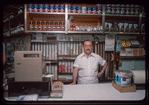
(83, 9)
(108, 8)
(136, 27)
(131, 27)
(122, 9)
(132, 9)
(61, 8)
(73, 10)
(126, 27)
(117, 9)
(127, 9)
(51, 7)
(93, 10)
(121, 27)
(98, 9)
(69, 8)
(88, 10)
(56, 9)
(113, 9)
(41, 7)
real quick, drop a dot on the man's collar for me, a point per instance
(92, 54)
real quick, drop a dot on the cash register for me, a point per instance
(28, 75)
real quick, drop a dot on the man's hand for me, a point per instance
(99, 74)
(73, 83)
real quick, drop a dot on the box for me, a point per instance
(123, 52)
(129, 52)
(57, 85)
(135, 51)
(140, 51)
(124, 88)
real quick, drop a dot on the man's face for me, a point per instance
(87, 47)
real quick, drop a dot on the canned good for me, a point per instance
(98, 8)
(108, 8)
(30, 7)
(122, 10)
(46, 8)
(69, 8)
(61, 8)
(88, 9)
(93, 10)
(83, 9)
(41, 7)
(51, 7)
(113, 8)
(117, 9)
(56, 8)
(132, 9)
(79, 9)
(73, 9)
(123, 77)
(136, 9)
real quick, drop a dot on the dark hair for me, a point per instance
(86, 40)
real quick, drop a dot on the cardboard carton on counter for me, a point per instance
(124, 88)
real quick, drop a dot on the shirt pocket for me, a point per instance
(94, 65)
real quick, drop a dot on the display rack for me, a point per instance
(82, 19)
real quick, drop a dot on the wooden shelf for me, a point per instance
(132, 57)
(65, 73)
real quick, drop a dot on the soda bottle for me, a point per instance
(54, 28)
(40, 25)
(35, 26)
(58, 26)
(31, 25)
(45, 25)
(63, 26)
(49, 25)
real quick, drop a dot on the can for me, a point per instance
(30, 7)
(117, 9)
(93, 10)
(51, 7)
(88, 10)
(46, 8)
(61, 8)
(41, 7)
(108, 8)
(132, 9)
(79, 9)
(122, 10)
(98, 9)
(123, 77)
(35, 8)
(136, 9)
(56, 8)
(73, 9)
(69, 8)
(83, 9)
(113, 9)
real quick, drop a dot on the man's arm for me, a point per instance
(75, 73)
(102, 71)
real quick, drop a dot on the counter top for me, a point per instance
(95, 92)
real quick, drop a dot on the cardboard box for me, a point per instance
(140, 51)
(57, 85)
(135, 52)
(124, 88)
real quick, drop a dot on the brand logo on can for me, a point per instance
(56, 7)
(98, 8)
(79, 9)
(51, 7)
(46, 8)
(35, 8)
(93, 9)
(73, 9)
(69, 8)
(61, 9)
(88, 9)
(30, 7)
(41, 8)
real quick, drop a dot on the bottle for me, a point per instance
(63, 26)
(49, 25)
(122, 9)
(58, 26)
(31, 25)
(53, 26)
(35, 26)
(40, 25)
(45, 26)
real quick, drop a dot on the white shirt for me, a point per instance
(88, 68)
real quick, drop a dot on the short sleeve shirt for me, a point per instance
(88, 67)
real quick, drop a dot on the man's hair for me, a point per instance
(86, 40)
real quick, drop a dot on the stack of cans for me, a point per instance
(46, 8)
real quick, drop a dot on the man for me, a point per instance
(86, 65)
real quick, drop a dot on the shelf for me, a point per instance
(66, 59)
(65, 73)
(67, 55)
(54, 13)
(42, 42)
(122, 15)
(84, 14)
(33, 31)
(50, 61)
(122, 33)
(132, 57)
(84, 32)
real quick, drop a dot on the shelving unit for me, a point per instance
(79, 19)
